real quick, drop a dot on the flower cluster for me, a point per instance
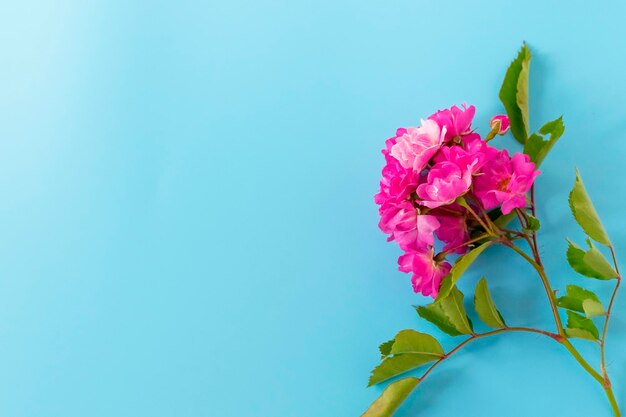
(439, 180)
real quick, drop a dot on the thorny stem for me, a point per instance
(467, 243)
(560, 337)
(490, 222)
(612, 401)
(536, 263)
(534, 234)
(477, 336)
(607, 381)
(546, 285)
(521, 217)
(532, 240)
(609, 308)
(532, 200)
(603, 379)
(568, 345)
(479, 219)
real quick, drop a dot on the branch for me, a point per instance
(546, 285)
(608, 314)
(487, 334)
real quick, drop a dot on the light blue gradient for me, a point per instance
(187, 225)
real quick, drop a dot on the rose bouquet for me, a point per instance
(446, 195)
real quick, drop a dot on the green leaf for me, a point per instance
(536, 147)
(522, 91)
(410, 349)
(591, 263)
(459, 267)
(581, 327)
(385, 348)
(514, 94)
(504, 219)
(485, 307)
(582, 300)
(570, 303)
(533, 223)
(575, 297)
(555, 129)
(411, 341)
(585, 213)
(391, 398)
(593, 308)
(448, 315)
(398, 364)
(434, 313)
(533, 146)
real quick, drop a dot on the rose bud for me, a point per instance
(500, 124)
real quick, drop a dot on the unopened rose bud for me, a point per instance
(500, 124)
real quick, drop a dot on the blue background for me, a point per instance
(187, 225)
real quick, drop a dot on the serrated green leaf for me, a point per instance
(533, 145)
(575, 297)
(514, 94)
(385, 348)
(537, 147)
(555, 129)
(590, 263)
(448, 315)
(458, 269)
(579, 334)
(585, 213)
(570, 303)
(434, 313)
(411, 341)
(582, 300)
(485, 307)
(581, 327)
(391, 398)
(410, 349)
(453, 306)
(593, 308)
(398, 364)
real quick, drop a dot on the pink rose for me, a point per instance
(397, 182)
(404, 224)
(473, 154)
(392, 140)
(456, 121)
(426, 272)
(505, 181)
(445, 183)
(417, 145)
(453, 232)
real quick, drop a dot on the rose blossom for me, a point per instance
(412, 231)
(397, 182)
(426, 272)
(445, 183)
(505, 181)
(456, 121)
(453, 232)
(417, 145)
(473, 154)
